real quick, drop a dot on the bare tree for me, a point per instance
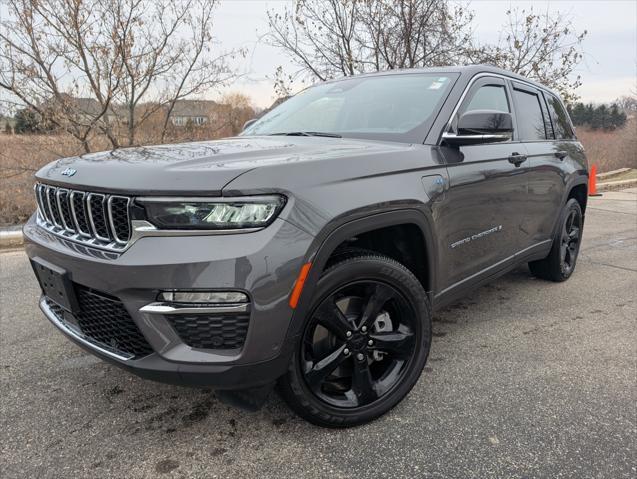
(331, 38)
(105, 66)
(415, 33)
(544, 47)
(236, 109)
(628, 103)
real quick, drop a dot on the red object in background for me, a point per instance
(592, 182)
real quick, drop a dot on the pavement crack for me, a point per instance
(611, 266)
(611, 211)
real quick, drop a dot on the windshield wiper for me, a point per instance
(307, 133)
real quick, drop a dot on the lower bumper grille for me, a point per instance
(103, 320)
(211, 331)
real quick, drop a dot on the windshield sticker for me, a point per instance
(435, 85)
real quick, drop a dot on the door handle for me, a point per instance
(561, 154)
(517, 159)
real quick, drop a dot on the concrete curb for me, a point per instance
(11, 239)
(616, 185)
(610, 174)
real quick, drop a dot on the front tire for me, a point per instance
(363, 346)
(560, 263)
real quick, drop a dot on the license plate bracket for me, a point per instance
(55, 284)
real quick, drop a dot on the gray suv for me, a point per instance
(311, 250)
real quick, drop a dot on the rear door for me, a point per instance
(545, 161)
(480, 220)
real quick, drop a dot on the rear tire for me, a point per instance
(363, 346)
(560, 263)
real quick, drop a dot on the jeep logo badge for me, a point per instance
(69, 172)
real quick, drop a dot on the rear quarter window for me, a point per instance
(559, 117)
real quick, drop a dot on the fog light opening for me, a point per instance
(203, 297)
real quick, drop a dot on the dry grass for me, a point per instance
(22, 155)
(611, 150)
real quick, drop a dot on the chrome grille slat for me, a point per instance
(45, 203)
(38, 197)
(51, 198)
(62, 197)
(78, 211)
(119, 220)
(95, 219)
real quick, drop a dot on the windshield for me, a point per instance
(389, 107)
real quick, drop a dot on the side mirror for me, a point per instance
(481, 126)
(248, 123)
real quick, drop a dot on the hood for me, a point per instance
(199, 167)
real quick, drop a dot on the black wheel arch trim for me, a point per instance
(343, 228)
(577, 179)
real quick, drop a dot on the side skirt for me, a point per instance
(460, 289)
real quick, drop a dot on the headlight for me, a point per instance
(213, 214)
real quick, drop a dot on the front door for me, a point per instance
(481, 218)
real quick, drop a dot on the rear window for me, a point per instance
(561, 123)
(529, 116)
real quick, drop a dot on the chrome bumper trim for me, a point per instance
(174, 308)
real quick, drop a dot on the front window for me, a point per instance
(489, 97)
(394, 107)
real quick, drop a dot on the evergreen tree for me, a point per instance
(26, 121)
(578, 114)
(617, 117)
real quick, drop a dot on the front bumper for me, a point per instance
(263, 264)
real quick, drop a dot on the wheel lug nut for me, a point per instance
(346, 352)
(370, 343)
(364, 329)
(360, 356)
(348, 334)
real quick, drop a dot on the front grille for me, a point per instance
(226, 331)
(103, 320)
(96, 219)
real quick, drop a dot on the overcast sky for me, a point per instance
(609, 68)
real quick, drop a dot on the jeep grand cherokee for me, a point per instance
(312, 249)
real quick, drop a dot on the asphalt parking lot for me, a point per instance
(525, 379)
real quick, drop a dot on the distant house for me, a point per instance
(194, 112)
(84, 109)
(4, 121)
(183, 113)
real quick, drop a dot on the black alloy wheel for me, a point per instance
(570, 241)
(560, 263)
(358, 344)
(363, 345)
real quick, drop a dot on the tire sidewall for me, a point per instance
(353, 270)
(571, 205)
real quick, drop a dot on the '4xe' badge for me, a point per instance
(69, 172)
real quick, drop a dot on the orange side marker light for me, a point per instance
(298, 286)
